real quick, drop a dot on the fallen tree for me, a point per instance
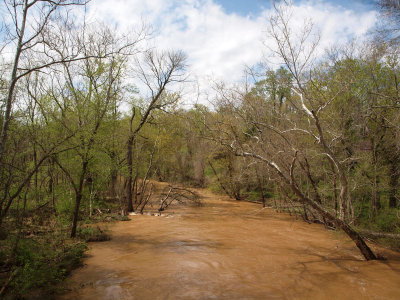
(181, 195)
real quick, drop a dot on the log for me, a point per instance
(375, 234)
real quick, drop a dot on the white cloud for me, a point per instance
(216, 43)
(220, 44)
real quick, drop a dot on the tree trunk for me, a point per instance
(393, 183)
(78, 198)
(129, 161)
(114, 177)
(13, 83)
(114, 174)
(260, 184)
(219, 180)
(128, 188)
(360, 243)
(36, 174)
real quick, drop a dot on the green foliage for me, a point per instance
(42, 265)
(388, 220)
(215, 187)
(92, 234)
(253, 196)
(65, 205)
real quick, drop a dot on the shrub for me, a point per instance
(388, 220)
(92, 234)
(42, 265)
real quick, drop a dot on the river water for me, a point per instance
(230, 250)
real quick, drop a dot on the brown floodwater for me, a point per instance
(230, 250)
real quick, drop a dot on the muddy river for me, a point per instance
(230, 250)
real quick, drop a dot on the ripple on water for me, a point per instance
(230, 250)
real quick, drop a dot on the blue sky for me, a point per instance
(254, 7)
(243, 7)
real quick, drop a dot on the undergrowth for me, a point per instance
(36, 258)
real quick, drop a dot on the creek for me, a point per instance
(230, 250)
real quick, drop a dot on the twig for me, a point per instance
(12, 275)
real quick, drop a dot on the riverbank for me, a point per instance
(36, 258)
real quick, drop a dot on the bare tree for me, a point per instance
(390, 8)
(389, 28)
(294, 142)
(297, 54)
(177, 194)
(157, 71)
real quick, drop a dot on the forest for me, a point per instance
(91, 116)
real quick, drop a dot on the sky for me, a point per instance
(221, 37)
(253, 7)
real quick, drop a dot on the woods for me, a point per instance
(90, 114)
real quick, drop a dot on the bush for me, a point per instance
(253, 196)
(388, 220)
(92, 234)
(43, 265)
(122, 218)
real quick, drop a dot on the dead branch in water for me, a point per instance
(178, 194)
(147, 199)
(373, 234)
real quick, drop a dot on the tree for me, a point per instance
(30, 30)
(389, 29)
(301, 139)
(157, 71)
(45, 38)
(87, 92)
